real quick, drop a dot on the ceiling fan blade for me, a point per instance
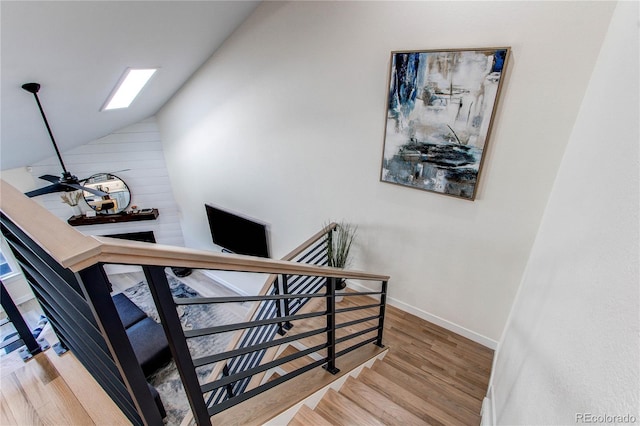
(51, 178)
(86, 188)
(56, 187)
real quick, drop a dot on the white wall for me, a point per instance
(572, 341)
(135, 147)
(285, 123)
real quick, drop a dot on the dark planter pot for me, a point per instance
(341, 284)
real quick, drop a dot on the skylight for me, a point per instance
(128, 88)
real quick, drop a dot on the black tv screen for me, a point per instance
(238, 234)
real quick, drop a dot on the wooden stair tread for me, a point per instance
(340, 410)
(380, 406)
(448, 360)
(265, 406)
(407, 399)
(443, 349)
(407, 365)
(306, 417)
(418, 366)
(296, 363)
(273, 376)
(425, 390)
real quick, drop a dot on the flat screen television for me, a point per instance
(237, 233)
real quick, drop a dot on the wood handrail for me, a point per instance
(77, 251)
(302, 247)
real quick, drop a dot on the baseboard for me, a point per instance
(458, 329)
(211, 274)
(488, 411)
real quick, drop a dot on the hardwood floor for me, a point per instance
(429, 376)
(53, 390)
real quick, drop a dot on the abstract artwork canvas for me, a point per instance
(440, 111)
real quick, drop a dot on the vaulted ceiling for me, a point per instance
(78, 51)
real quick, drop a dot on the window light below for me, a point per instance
(128, 88)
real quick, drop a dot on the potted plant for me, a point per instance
(338, 247)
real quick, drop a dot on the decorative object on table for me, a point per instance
(338, 247)
(440, 112)
(72, 199)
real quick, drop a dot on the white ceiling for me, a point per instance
(78, 50)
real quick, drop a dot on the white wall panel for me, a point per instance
(285, 123)
(570, 353)
(138, 148)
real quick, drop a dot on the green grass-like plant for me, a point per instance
(339, 244)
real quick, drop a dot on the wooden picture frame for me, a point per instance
(440, 111)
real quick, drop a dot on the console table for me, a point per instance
(100, 219)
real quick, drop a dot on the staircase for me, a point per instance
(429, 376)
(384, 395)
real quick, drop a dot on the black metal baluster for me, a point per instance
(18, 322)
(94, 285)
(229, 386)
(383, 302)
(331, 326)
(276, 291)
(287, 310)
(161, 293)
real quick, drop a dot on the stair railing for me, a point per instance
(313, 252)
(66, 270)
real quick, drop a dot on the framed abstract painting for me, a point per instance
(440, 111)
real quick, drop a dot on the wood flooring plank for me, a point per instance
(380, 406)
(450, 364)
(428, 368)
(439, 395)
(33, 378)
(307, 417)
(426, 410)
(6, 416)
(95, 401)
(341, 411)
(407, 365)
(66, 405)
(23, 412)
(296, 363)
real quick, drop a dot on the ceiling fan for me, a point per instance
(66, 182)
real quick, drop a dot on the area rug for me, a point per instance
(167, 380)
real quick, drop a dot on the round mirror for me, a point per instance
(118, 196)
